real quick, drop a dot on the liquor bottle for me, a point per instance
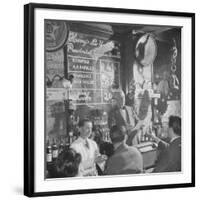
(48, 152)
(61, 146)
(146, 138)
(67, 144)
(105, 118)
(142, 135)
(107, 135)
(54, 150)
(148, 132)
(152, 133)
(70, 137)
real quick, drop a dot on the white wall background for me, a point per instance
(11, 100)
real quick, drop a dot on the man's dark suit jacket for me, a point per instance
(169, 159)
(115, 118)
(125, 160)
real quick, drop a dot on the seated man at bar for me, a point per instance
(126, 159)
(88, 149)
(169, 159)
(122, 115)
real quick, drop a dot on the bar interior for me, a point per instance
(121, 84)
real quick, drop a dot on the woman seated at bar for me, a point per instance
(67, 164)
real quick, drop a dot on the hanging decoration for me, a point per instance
(174, 82)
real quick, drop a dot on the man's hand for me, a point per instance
(153, 137)
(100, 158)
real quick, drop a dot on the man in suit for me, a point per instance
(122, 115)
(169, 159)
(126, 159)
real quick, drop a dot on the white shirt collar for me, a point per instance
(83, 140)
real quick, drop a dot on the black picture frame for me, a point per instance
(29, 97)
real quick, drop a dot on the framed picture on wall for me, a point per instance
(108, 99)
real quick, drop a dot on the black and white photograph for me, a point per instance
(113, 99)
(110, 93)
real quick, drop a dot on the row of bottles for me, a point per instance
(145, 134)
(54, 147)
(101, 133)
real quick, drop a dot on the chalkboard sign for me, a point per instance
(54, 68)
(94, 66)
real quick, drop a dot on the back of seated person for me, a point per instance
(67, 164)
(169, 159)
(126, 159)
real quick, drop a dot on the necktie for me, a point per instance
(87, 144)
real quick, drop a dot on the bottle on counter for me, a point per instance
(108, 135)
(152, 132)
(61, 146)
(148, 132)
(146, 138)
(48, 152)
(142, 139)
(70, 137)
(66, 143)
(54, 150)
(105, 118)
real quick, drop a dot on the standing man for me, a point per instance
(88, 149)
(122, 115)
(170, 156)
(126, 159)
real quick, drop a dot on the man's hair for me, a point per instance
(67, 164)
(175, 124)
(117, 133)
(118, 95)
(83, 121)
(106, 148)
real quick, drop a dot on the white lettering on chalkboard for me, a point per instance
(100, 51)
(70, 47)
(88, 82)
(107, 96)
(88, 76)
(81, 61)
(73, 37)
(76, 38)
(93, 76)
(82, 67)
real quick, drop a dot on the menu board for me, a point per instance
(95, 68)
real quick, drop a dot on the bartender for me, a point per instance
(88, 149)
